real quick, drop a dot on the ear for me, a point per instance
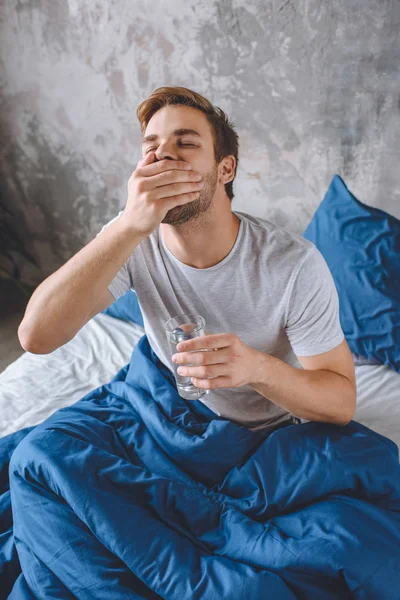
(227, 169)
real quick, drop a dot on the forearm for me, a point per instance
(313, 395)
(62, 303)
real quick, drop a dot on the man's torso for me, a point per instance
(245, 294)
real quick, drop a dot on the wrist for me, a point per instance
(260, 367)
(125, 224)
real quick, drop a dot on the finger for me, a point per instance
(174, 189)
(146, 160)
(209, 357)
(211, 384)
(179, 200)
(175, 176)
(219, 340)
(148, 170)
(205, 371)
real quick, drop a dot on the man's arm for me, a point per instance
(324, 391)
(66, 300)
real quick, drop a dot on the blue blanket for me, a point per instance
(133, 492)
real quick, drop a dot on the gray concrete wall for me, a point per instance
(312, 86)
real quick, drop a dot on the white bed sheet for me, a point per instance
(35, 386)
(378, 400)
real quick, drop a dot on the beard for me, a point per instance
(192, 210)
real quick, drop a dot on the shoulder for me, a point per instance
(276, 244)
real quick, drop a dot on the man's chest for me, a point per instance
(228, 305)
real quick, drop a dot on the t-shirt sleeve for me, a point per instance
(313, 323)
(122, 282)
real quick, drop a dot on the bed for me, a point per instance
(158, 544)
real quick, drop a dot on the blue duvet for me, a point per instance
(133, 492)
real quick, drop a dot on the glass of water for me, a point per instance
(178, 329)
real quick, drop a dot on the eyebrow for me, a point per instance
(176, 133)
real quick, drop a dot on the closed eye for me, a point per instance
(183, 145)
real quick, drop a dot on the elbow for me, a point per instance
(342, 421)
(348, 410)
(29, 342)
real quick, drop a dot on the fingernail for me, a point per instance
(174, 358)
(180, 370)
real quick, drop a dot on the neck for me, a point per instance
(203, 242)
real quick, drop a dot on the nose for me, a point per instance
(164, 151)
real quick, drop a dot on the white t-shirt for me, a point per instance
(274, 291)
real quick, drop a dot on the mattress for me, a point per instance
(34, 386)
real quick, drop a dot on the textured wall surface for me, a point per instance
(312, 87)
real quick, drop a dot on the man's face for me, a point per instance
(198, 150)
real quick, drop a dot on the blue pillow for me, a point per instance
(361, 246)
(126, 308)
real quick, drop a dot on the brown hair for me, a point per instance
(225, 138)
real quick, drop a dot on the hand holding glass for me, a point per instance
(178, 329)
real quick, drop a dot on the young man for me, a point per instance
(268, 298)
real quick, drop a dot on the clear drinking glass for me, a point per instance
(178, 329)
